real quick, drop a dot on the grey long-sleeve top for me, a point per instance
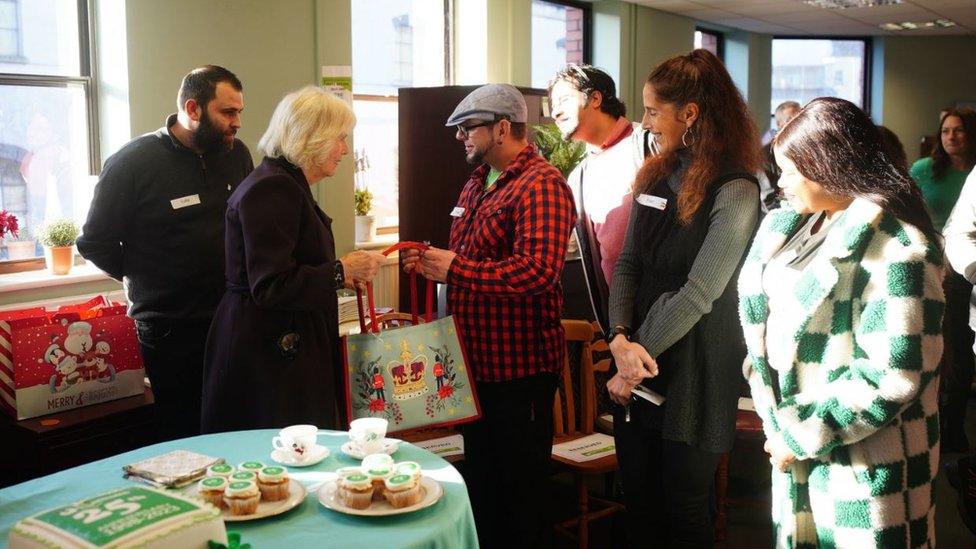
(731, 222)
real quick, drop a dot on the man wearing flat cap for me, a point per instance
(508, 242)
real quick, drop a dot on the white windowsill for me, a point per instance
(42, 278)
(382, 241)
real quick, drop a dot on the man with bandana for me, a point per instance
(157, 224)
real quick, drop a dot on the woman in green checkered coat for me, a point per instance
(841, 305)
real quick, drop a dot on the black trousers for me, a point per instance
(173, 351)
(506, 462)
(667, 484)
(958, 361)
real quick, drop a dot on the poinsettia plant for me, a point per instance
(8, 224)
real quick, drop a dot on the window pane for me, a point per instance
(375, 139)
(557, 39)
(806, 69)
(44, 172)
(397, 43)
(706, 41)
(47, 33)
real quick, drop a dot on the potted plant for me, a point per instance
(365, 223)
(21, 245)
(562, 154)
(8, 225)
(58, 239)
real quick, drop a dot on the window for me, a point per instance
(710, 40)
(804, 69)
(560, 35)
(48, 147)
(395, 44)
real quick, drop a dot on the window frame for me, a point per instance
(867, 62)
(450, 48)
(87, 79)
(720, 38)
(587, 10)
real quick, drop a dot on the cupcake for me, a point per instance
(220, 470)
(344, 472)
(377, 460)
(252, 466)
(242, 497)
(411, 468)
(356, 491)
(273, 483)
(212, 490)
(377, 475)
(244, 476)
(402, 491)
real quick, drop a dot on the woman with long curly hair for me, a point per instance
(841, 304)
(674, 327)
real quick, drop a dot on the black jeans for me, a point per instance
(957, 361)
(666, 484)
(506, 462)
(173, 351)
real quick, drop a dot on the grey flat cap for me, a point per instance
(489, 102)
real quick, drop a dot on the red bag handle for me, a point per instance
(428, 316)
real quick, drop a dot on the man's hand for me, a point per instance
(361, 266)
(435, 263)
(780, 454)
(410, 258)
(633, 361)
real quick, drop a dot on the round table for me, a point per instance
(448, 523)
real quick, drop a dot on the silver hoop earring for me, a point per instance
(684, 137)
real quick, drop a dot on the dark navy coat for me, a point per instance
(273, 351)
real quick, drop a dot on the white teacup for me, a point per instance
(367, 434)
(296, 440)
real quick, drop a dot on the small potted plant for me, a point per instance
(21, 245)
(8, 225)
(365, 223)
(58, 239)
(562, 154)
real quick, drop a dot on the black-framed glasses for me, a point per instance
(465, 130)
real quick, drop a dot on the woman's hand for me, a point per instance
(620, 388)
(633, 361)
(361, 266)
(780, 455)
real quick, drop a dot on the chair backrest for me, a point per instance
(395, 320)
(564, 407)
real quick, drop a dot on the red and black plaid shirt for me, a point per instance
(504, 285)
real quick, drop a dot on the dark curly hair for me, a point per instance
(588, 79)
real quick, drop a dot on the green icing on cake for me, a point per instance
(213, 482)
(222, 468)
(244, 475)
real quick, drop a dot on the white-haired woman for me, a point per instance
(273, 350)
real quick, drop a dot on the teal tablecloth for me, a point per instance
(449, 523)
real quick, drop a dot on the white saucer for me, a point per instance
(315, 454)
(390, 445)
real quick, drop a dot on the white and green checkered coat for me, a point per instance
(858, 405)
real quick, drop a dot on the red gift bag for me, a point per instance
(80, 354)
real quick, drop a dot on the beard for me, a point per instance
(570, 131)
(210, 138)
(477, 156)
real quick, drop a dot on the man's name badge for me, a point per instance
(652, 201)
(458, 211)
(185, 201)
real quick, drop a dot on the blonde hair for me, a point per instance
(306, 125)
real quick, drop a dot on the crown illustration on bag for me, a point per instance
(409, 373)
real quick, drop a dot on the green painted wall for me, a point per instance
(509, 41)
(656, 37)
(921, 76)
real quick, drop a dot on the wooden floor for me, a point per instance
(751, 528)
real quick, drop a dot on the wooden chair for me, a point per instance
(566, 429)
(748, 425)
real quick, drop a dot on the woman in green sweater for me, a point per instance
(941, 176)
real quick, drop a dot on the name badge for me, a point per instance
(458, 211)
(185, 201)
(652, 201)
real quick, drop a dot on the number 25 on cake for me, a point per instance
(135, 516)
